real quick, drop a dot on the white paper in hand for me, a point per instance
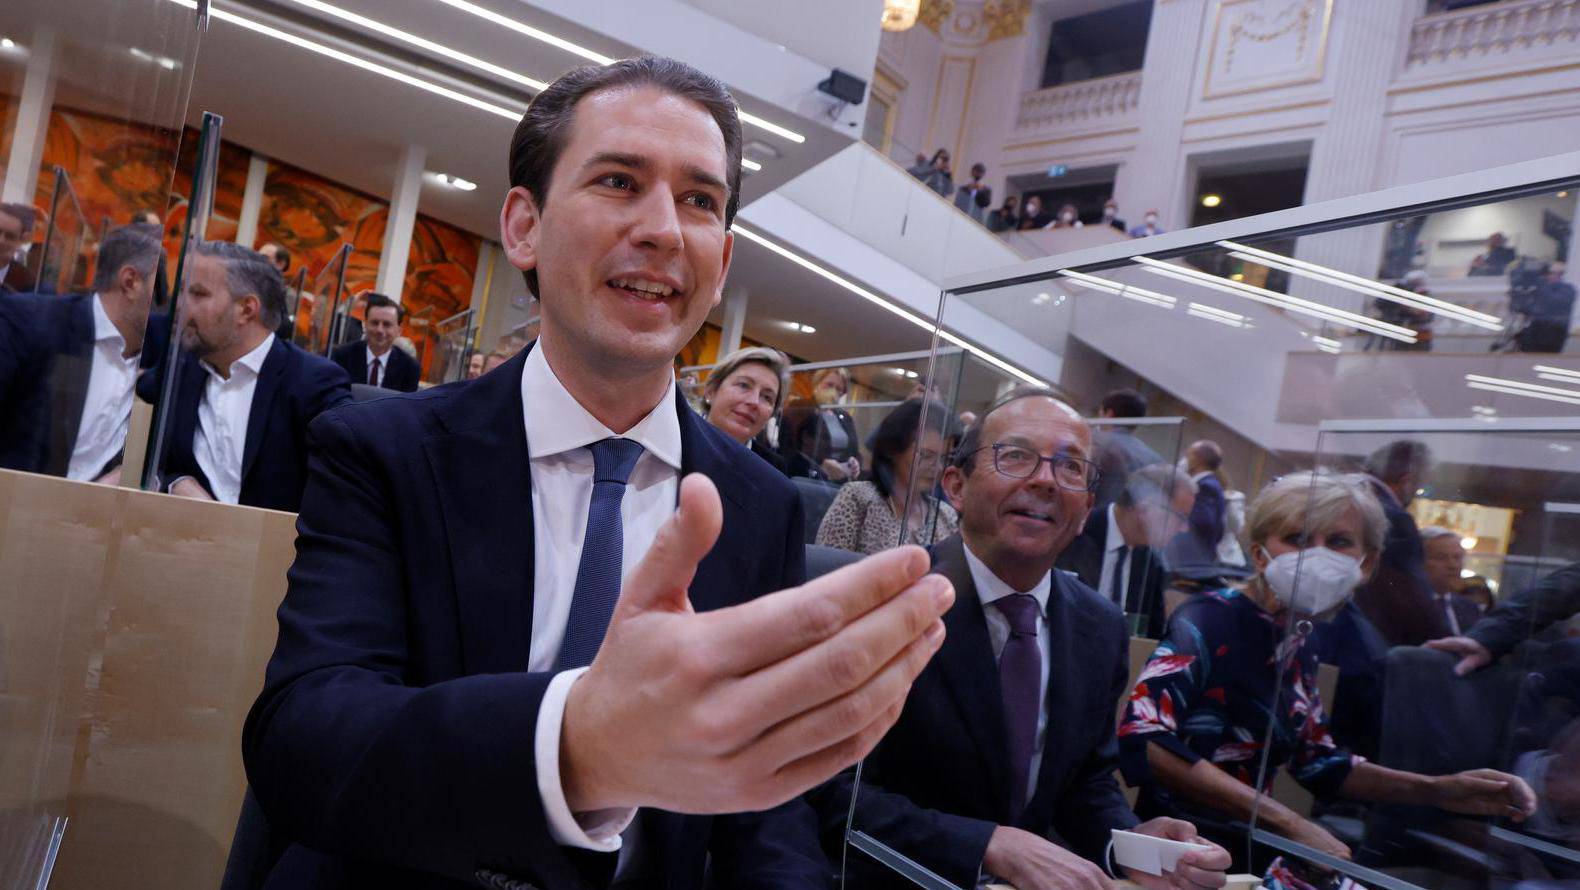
(1149, 855)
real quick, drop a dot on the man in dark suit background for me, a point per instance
(503, 653)
(243, 397)
(1193, 553)
(1119, 552)
(374, 360)
(1397, 598)
(1002, 762)
(1444, 563)
(1118, 452)
(68, 364)
(16, 231)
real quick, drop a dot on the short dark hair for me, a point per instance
(1396, 460)
(282, 255)
(379, 301)
(1125, 403)
(545, 128)
(965, 456)
(250, 272)
(898, 432)
(136, 245)
(978, 169)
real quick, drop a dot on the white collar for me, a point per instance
(103, 328)
(1200, 476)
(991, 588)
(557, 423)
(252, 361)
(372, 357)
(1116, 538)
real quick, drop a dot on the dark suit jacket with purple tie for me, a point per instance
(393, 739)
(938, 783)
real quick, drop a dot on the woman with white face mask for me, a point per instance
(1234, 659)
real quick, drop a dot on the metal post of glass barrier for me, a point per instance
(338, 264)
(204, 176)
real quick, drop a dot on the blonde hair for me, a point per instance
(1315, 501)
(769, 357)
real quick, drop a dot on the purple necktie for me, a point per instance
(1020, 679)
(373, 373)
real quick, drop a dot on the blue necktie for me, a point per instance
(598, 574)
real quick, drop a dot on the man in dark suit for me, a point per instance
(243, 397)
(1397, 598)
(374, 360)
(1119, 452)
(1120, 549)
(503, 652)
(68, 364)
(1554, 597)
(16, 230)
(1444, 564)
(1002, 762)
(1193, 553)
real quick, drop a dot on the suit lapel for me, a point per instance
(720, 575)
(359, 364)
(483, 480)
(69, 377)
(970, 671)
(269, 377)
(1069, 665)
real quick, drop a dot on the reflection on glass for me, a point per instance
(455, 337)
(329, 304)
(62, 267)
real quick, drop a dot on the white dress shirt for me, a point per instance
(107, 408)
(384, 366)
(558, 431)
(1112, 565)
(1446, 600)
(991, 588)
(221, 436)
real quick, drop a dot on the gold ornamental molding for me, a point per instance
(1005, 18)
(935, 13)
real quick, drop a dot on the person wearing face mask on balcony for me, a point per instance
(744, 392)
(1068, 218)
(1193, 732)
(1148, 227)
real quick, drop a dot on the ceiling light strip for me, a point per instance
(576, 49)
(1294, 304)
(1118, 289)
(880, 302)
(1204, 309)
(1564, 375)
(1364, 285)
(354, 61)
(1510, 391)
(422, 43)
(1520, 384)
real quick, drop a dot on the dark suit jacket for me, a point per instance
(393, 737)
(1148, 575)
(1118, 454)
(294, 387)
(46, 357)
(1465, 612)
(1527, 613)
(1397, 599)
(400, 373)
(17, 278)
(938, 784)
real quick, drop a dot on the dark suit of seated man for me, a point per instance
(243, 396)
(502, 643)
(68, 364)
(375, 360)
(1002, 763)
(1119, 552)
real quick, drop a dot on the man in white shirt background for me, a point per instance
(1444, 564)
(68, 365)
(374, 360)
(237, 432)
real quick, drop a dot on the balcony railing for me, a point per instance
(1086, 101)
(1487, 32)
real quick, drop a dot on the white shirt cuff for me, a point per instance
(598, 830)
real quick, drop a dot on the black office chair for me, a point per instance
(816, 495)
(362, 392)
(821, 560)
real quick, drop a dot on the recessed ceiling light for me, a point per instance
(1211, 200)
(455, 182)
(1468, 542)
(7, 43)
(802, 328)
(750, 164)
(1466, 573)
(1563, 194)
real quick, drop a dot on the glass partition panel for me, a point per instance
(1252, 333)
(326, 309)
(1418, 776)
(62, 266)
(299, 303)
(455, 336)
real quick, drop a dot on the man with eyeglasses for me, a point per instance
(1002, 762)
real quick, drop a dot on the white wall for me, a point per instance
(1520, 221)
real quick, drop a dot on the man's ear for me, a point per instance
(519, 226)
(954, 482)
(249, 308)
(127, 279)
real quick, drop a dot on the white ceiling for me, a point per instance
(838, 33)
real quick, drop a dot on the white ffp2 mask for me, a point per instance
(1326, 579)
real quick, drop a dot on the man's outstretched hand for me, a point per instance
(1472, 655)
(741, 709)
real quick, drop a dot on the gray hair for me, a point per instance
(1154, 482)
(1396, 460)
(137, 245)
(250, 272)
(1314, 501)
(1433, 532)
(772, 359)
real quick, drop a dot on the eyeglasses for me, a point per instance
(1019, 462)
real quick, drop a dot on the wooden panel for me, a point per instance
(171, 613)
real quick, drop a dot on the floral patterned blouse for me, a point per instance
(1208, 693)
(860, 520)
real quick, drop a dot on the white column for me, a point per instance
(736, 299)
(32, 121)
(252, 201)
(402, 221)
(1370, 39)
(1155, 174)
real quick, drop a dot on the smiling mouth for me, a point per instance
(1033, 514)
(642, 289)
